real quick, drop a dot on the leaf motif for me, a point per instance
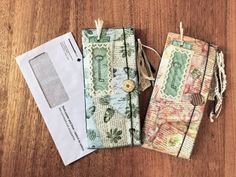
(129, 53)
(90, 111)
(127, 112)
(123, 54)
(115, 130)
(127, 50)
(119, 132)
(114, 135)
(108, 114)
(135, 111)
(105, 100)
(91, 134)
(196, 73)
(109, 135)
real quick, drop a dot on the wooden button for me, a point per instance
(128, 85)
(197, 99)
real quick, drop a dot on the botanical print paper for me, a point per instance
(172, 121)
(112, 114)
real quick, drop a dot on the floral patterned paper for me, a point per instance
(172, 122)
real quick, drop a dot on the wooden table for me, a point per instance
(26, 148)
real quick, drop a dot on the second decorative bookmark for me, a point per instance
(180, 93)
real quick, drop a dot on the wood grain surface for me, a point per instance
(26, 148)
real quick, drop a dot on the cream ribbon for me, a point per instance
(146, 76)
(181, 31)
(99, 24)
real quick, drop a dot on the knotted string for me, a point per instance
(220, 86)
(146, 76)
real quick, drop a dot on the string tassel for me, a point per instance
(181, 30)
(99, 24)
(220, 86)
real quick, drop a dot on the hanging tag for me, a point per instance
(146, 76)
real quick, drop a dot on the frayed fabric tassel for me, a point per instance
(181, 30)
(220, 86)
(99, 24)
(146, 77)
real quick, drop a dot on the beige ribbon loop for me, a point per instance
(146, 77)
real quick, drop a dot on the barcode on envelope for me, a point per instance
(48, 80)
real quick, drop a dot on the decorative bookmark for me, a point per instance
(111, 87)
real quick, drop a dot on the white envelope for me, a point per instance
(54, 74)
